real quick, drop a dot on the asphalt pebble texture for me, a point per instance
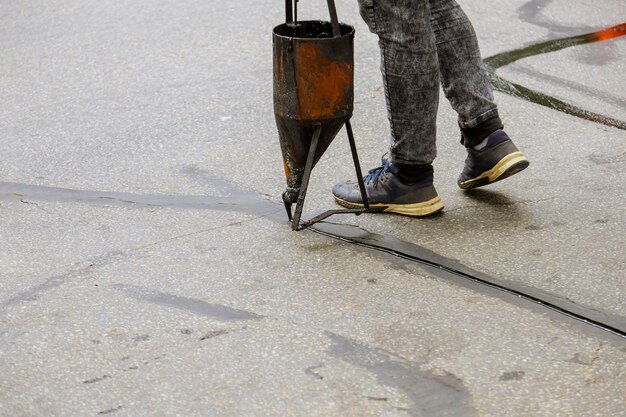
(147, 267)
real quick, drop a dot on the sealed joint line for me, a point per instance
(560, 307)
(516, 90)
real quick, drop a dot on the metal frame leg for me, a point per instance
(295, 223)
(357, 165)
(288, 209)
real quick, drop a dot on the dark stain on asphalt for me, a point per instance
(35, 292)
(214, 333)
(215, 183)
(193, 305)
(576, 359)
(512, 376)
(311, 371)
(242, 201)
(603, 159)
(553, 80)
(98, 379)
(433, 395)
(141, 338)
(111, 410)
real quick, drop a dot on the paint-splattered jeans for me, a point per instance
(423, 43)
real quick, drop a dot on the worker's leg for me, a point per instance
(463, 75)
(492, 155)
(410, 75)
(403, 184)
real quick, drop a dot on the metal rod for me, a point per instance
(295, 12)
(288, 209)
(295, 224)
(334, 21)
(329, 213)
(357, 165)
(288, 11)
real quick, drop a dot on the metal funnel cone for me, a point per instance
(313, 90)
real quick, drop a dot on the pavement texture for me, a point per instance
(147, 267)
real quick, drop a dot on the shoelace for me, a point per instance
(374, 174)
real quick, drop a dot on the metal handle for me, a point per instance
(288, 11)
(334, 21)
(291, 12)
(291, 15)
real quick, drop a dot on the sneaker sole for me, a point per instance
(424, 209)
(507, 166)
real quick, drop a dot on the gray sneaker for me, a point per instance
(389, 194)
(498, 160)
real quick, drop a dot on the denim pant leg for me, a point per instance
(463, 75)
(410, 74)
(421, 41)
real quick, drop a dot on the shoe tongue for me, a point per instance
(497, 137)
(388, 166)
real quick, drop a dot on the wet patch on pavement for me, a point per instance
(246, 202)
(192, 305)
(35, 292)
(434, 394)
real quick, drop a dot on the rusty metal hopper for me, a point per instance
(313, 96)
(313, 88)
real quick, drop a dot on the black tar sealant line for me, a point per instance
(516, 90)
(446, 266)
(249, 202)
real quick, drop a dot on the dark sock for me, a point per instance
(472, 136)
(413, 173)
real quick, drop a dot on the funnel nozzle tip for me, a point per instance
(290, 196)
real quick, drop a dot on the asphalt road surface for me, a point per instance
(147, 267)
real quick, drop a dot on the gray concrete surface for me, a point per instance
(147, 268)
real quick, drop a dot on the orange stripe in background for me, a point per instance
(610, 33)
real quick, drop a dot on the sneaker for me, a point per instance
(387, 193)
(498, 160)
